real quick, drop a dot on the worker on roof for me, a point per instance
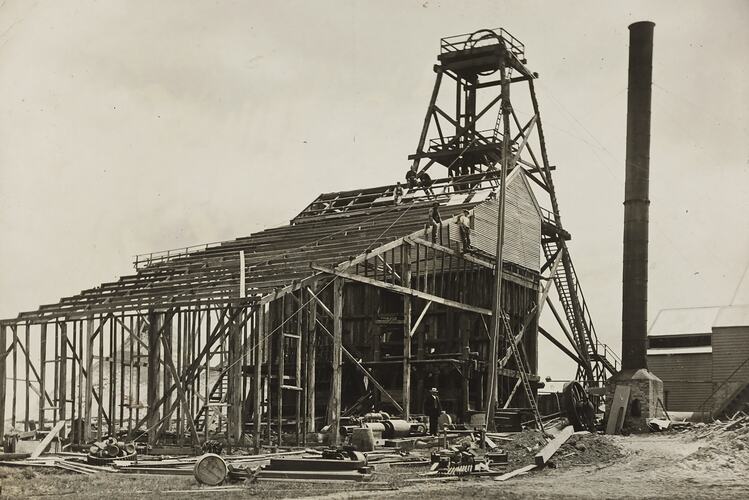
(434, 221)
(411, 179)
(433, 409)
(425, 182)
(492, 195)
(398, 193)
(464, 225)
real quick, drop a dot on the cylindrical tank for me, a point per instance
(636, 198)
(396, 428)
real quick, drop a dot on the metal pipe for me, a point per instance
(636, 197)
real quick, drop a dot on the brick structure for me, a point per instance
(645, 391)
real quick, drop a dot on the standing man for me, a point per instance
(433, 409)
(464, 224)
(434, 221)
(398, 193)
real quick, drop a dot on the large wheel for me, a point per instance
(579, 408)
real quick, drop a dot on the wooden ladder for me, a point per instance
(522, 368)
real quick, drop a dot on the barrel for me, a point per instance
(363, 439)
(210, 469)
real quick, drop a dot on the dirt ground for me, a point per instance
(667, 465)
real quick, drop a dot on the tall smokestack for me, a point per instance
(636, 198)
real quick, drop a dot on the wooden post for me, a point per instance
(406, 277)
(74, 396)
(311, 358)
(122, 368)
(497, 329)
(100, 385)
(257, 387)
(154, 374)
(3, 378)
(298, 371)
(234, 396)
(81, 389)
(420, 355)
(62, 393)
(268, 371)
(165, 324)
(89, 377)
(27, 377)
(42, 372)
(334, 406)
(14, 329)
(377, 339)
(464, 327)
(280, 366)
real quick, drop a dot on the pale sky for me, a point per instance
(127, 127)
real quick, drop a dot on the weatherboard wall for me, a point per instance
(687, 378)
(522, 243)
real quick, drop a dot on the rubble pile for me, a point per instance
(726, 443)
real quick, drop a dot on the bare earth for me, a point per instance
(651, 466)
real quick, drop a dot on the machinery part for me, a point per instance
(578, 407)
(210, 469)
(397, 428)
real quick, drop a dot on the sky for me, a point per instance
(129, 127)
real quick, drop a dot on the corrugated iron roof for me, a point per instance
(687, 321)
(732, 316)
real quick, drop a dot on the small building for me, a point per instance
(702, 356)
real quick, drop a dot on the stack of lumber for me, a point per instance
(73, 462)
(313, 468)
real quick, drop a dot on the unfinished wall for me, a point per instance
(522, 245)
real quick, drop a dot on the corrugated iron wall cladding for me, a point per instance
(685, 396)
(730, 349)
(682, 367)
(522, 244)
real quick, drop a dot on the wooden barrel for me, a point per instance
(210, 469)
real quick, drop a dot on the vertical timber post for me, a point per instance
(280, 366)
(311, 357)
(257, 387)
(298, 369)
(235, 379)
(3, 377)
(335, 389)
(42, 372)
(62, 392)
(165, 329)
(89, 377)
(154, 374)
(406, 266)
(491, 384)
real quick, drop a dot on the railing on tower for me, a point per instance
(468, 41)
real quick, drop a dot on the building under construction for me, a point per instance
(362, 302)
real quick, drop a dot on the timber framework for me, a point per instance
(356, 305)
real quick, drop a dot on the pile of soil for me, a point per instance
(586, 449)
(580, 449)
(523, 448)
